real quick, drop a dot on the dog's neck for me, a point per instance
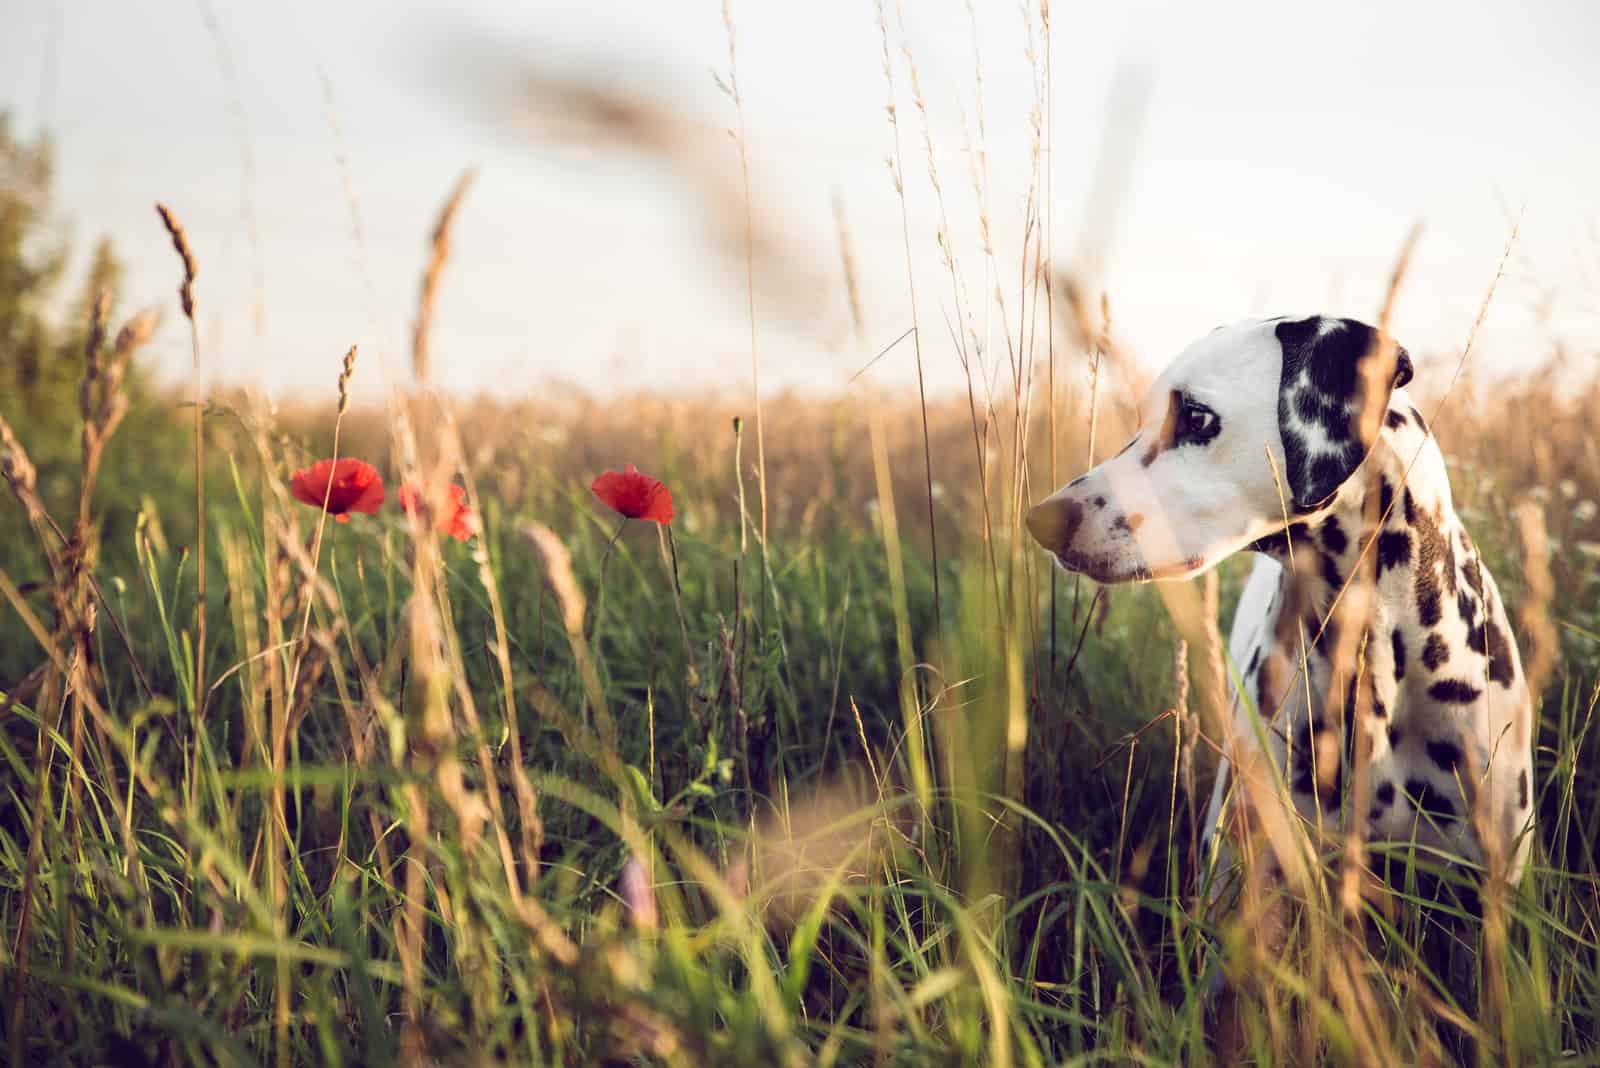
(1403, 475)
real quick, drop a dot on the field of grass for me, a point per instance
(492, 801)
(836, 769)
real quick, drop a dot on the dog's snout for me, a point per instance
(1054, 522)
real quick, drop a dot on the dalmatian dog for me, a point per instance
(1293, 438)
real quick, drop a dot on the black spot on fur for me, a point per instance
(1327, 470)
(1435, 652)
(1324, 357)
(1382, 798)
(1416, 417)
(1410, 505)
(1394, 420)
(1255, 661)
(1399, 644)
(1266, 700)
(1522, 788)
(1394, 549)
(1385, 497)
(1330, 571)
(1309, 406)
(1500, 666)
(1446, 754)
(1320, 775)
(1477, 639)
(1454, 691)
(1278, 544)
(1430, 800)
(1098, 501)
(1428, 613)
(1396, 736)
(1333, 537)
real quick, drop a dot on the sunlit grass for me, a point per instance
(782, 786)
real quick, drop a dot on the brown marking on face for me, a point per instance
(1166, 434)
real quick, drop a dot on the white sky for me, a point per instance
(1283, 153)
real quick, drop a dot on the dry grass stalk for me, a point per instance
(180, 243)
(438, 255)
(1089, 332)
(750, 286)
(897, 172)
(1534, 615)
(63, 668)
(91, 354)
(472, 807)
(23, 479)
(872, 408)
(528, 821)
(1183, 750)
(346, 372)
(70, 561)
(556, 564)
(309, 565)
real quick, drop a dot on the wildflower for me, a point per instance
(634, 495)
(345, 486)
(456, 520)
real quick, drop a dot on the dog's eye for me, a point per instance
(1197, 424)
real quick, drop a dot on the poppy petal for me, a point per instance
(457, 520)
(634, 494)
(370, 499)
(342, 487)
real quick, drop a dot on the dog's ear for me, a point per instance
(1332, 396)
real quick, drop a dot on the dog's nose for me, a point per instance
(1054, 523)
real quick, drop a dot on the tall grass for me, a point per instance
(858, 920)
(542, 798)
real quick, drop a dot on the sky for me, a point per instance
(1205, 163)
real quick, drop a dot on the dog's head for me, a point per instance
(1196, 483)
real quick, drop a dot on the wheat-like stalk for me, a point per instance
(438, 255)
(180, 243)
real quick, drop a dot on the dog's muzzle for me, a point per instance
(1054, 523)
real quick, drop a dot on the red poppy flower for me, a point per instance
(634, 494)
(347, 486)
(458, 520)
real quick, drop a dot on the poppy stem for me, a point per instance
(669, 553)
(600, 594)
